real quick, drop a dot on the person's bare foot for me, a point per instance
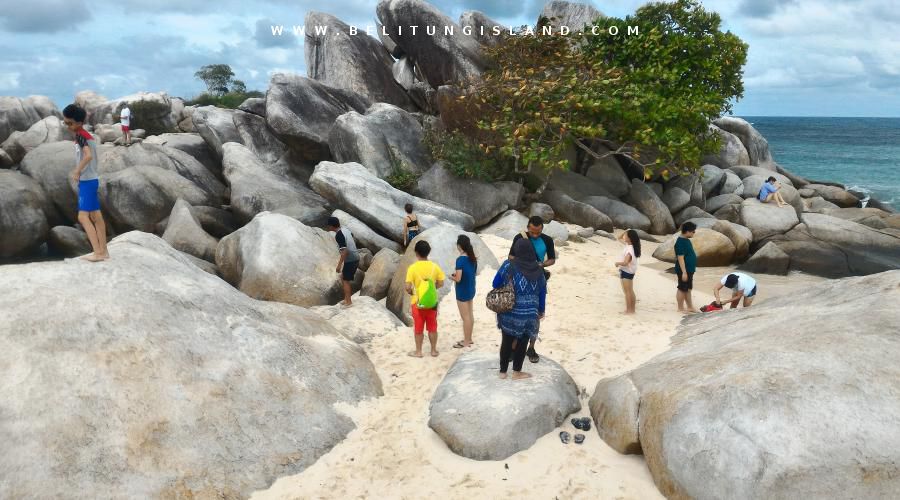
(502, 376)
(415, 354)
(103, 256)
(691, 311)
(520, 375)
(88, 257)
(434, 354)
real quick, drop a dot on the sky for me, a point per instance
(806, 58)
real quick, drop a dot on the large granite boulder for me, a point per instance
(766, 219)
(711, 179)
(646, 200)
(184, 233)
(485, 30)
(219, 126)
(816, 257)
(150, 110)
(380, 273)
(255, 188)
(363, 235)
(716, 202)
(576, 212)
(738, 409)
(732, 184)
(192, 144)
(354, 62)
(690, 213)
(68, 241)
(872, 217)
(770, 259)
(442, 58)
(366, 320)
(690, 184)
(836, 195)
(507, 226)
(18, 144)
(482, 200)
(756, 145)
(577, 186)
(17, 114)
(482, 417)
(145, 377)
(510, 192)
(254, 105)
(356, 190)
(385, 140)
(23, 217)
(278, 258)
(216, 221)
(114, 159)
(623, 215)
(744, 171)
(753, 184)
(301, 111)
(731, 153)
(866, 250)
(443, 253)
(676, 199)
(574, 15)
(712, 247)
(610, 175)
(739, 235)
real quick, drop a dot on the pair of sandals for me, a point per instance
(583, 424)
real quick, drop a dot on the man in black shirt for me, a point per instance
(546, 255)
(349, 261)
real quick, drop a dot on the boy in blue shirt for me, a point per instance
(769, 192)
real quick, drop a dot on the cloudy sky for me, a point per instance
(807, 57)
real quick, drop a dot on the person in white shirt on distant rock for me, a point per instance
(125, 119)
(741, 285)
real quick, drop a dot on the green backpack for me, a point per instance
(428, 295)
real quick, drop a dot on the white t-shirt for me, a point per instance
(125, 116)
(631, 267)
(745, 283)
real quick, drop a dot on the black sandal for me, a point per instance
(579, 438)
(564, 437)
(585, 424)
(532, 355)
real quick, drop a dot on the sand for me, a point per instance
(394, 454)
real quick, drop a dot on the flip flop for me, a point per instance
(533, 355)
(585, 424)
(414, 355)
(577, 423)
(579, 438)
(564, 437)
(460, 345)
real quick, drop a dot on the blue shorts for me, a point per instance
(88, 201)
(411, 235)
(625, 276)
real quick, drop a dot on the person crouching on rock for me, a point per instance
(741, 285)
(423, 279)
(522, 323)
(769, 192)
(349, 261)
(628, 267)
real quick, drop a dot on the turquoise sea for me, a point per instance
(862, 153)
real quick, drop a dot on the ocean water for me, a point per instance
(861, 153)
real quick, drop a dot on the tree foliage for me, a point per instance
(648, 97)
(217, 77)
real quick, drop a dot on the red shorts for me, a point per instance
(422, 319)
(124, 128)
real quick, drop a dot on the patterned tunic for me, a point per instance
(522, 321)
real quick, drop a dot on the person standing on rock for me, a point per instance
(423, 279)
(464, 277)
(522, 323)
(685, 266)
(628, 267)
(769, 192)
(546, 256)
(411, 227)
(741, 285)
(125, 120)
(349, 261)
(88, 180)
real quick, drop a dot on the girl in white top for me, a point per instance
(628, 267)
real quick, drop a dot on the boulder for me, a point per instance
(766, 219)
(184, 233)
(756, 145)
(254, 106)
(753, 184)
(676, 199)
(572, 14)
(348, 61)
(738, 409)
(730, 212)
(508, 225)
(385, 140)
(732, 184)
(278, 258)
(18, 114)
(50, 166)
(690, 184)
(642, 197)
(255, 188)
(744, 171)
(404, 72)
(816, 257)
(510, 193)
(836, 195)
(542, 210)
(215, 221)
(443, 253)
(192, 144)
(301, 111)
(366, 320)
(872, 217)
(140, 197)
(482, 28)
(23, 217)
(441, 57)
(576, 185)
(623, 215)
(610, 175)
(731, 153)
(739, 235)
(156, 110)
(115, 159)
(712, 247)
(816, 203)
(219, 126)
(363, 235)
(477, 198)
(689, 213)
(577, 212)
(68, 242)
(380, 273)
(716, 202)
(49, 129)
(553, 229)
(770, 259)
(466, 404)
(711, 180)
(867, 250)
(150, 378)
(356, 190)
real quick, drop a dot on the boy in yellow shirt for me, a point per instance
(416, 274)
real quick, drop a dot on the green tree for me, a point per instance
(217, 78)
(238, 87)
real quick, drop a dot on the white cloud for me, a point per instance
(9, 81)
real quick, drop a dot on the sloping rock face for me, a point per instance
(756, 145)
(68, 241)
(644, 199)
(23, 220)
(218, 126)
(380, 273)
(482, 417)
(732, 151)
(482, 200)
(363, 235)
(572, 14)
(441, 58)
(185, 233)
(507, 226)
(583, 214)
(158, 110)
(49, 129)
(766, 219)
(173, 383)
(366, 320)
(192, 144)
(738, 409)
(712, 247)
(18, 114)
(482, 27)
(623, 215)
(357, 63)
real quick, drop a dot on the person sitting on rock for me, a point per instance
(424, 315)
(769, 192)
(522, 323)
(741, 285)
(410, 225)
(349, 261)
(546, 256)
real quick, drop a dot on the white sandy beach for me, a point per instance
(393, 453)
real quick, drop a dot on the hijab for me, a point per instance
(525, 261)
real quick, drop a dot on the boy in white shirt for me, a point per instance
(125, 119)
(741, 285)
